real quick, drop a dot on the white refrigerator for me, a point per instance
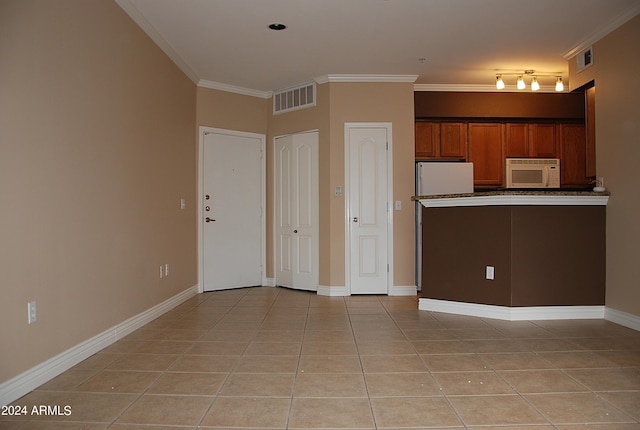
(438, 178)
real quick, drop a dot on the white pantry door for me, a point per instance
(368, 224)
(232, 210)
(296, 220)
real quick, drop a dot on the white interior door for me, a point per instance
(296, 182)
(368, 208)
(232, 210)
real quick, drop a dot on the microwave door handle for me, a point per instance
(545, 176)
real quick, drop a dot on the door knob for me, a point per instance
(295, 231)
(355, 219)
(207, 219)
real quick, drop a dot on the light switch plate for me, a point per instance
(32, 312)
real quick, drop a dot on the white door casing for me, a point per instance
(296, 211)
(369, 220)
(232, 199)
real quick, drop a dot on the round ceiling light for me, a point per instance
(277, 26)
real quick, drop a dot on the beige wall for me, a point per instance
(336, 104)
(615, 72)
(376, 102)
(96, 150)
(231, 111)
(313, 118)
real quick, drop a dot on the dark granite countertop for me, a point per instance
(528, 193)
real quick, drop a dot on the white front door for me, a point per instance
(232, 209)
(296, 218)
(368, 181)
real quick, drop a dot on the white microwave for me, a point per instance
(533, 173)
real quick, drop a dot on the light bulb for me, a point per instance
(499, 82)
(559, 84)
(520, 83)
(535, 86)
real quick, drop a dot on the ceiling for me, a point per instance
(447, 44)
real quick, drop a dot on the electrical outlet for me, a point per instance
(490, 273)
(166, 269)
(398, 205)
(183, 204)
(32, 313)
(161, 271)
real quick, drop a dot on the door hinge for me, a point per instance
(387, 267)
(387, 146)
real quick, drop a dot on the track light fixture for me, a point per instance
(535, 86)
(521, 83)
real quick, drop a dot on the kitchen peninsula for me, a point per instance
(545, 251)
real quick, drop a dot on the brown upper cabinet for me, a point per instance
(531, 140)
(486, 152)
(573, 155)
(441, 140)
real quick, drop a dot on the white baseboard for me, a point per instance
(403, 290)
(22, 384)
(512, 313)
(334, 291)
(622, 318)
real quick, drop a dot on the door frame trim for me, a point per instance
(202, 131)
(389, 198)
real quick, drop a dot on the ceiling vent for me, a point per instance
(295, 98)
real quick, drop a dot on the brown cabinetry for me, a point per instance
(542, 141)
(517, 140)
(573, 155)
(487, 145)
(486, 152)
(524, 140)
(441, 140)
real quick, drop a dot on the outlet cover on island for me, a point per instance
(490, 273)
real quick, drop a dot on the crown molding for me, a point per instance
(366, 78)
(150, 31)
(611, 26)
(455, 87)
(234, 89)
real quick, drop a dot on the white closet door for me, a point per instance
(296, 181)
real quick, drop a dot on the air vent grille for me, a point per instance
(299, 97)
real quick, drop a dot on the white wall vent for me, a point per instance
(300, 97)
(584, 59)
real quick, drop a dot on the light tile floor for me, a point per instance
(272, 358)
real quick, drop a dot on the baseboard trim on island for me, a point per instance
(27, 381)
(512, 313)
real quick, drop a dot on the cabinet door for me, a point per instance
(517, 140)
(486, 152)
(427, 139)
(542, 141)
(453, 140)
(573, 157)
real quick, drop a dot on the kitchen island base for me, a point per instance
(547, 261)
